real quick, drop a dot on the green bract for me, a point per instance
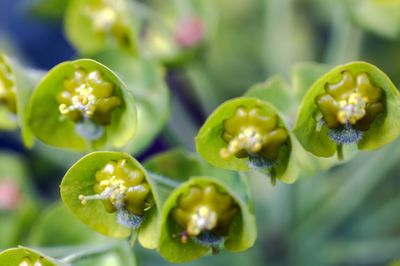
(15, 90)
(26, 257)
(247, 133)
(216, 197)
(82, 105)
(380, 17)
(353, 103)
(145, 79)
(111, 193)
(96, 25)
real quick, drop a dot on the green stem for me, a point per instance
(367, 171)
(164, 180)
(278, 41)
(340, 155)
(88, 252)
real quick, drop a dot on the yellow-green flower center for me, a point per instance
(88, 95)
(7, 87)
(107, 20)
(249, 131)
(29, 262)
(203, 209)
(120, 185)
(354, 101)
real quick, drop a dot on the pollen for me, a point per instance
(28, 262)
(7, 87)
(251, 132)
(353, 101)
(204, 209)
(352, 109)
(88, 95)
(119, 185)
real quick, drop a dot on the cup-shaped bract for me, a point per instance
(355, 103)
(247, 133)
(204, 208)
(206, 213)
(15, 90)
(23, 256)
(111, 193)
(146, 80)
(97, 25)
(379, 17)
(82, 105)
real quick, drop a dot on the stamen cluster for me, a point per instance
(353, 101)
(120, 186)
(204, 209)
(251, 132)
(87, 95)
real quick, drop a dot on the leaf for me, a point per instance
(304, 75)
(209, 141)
(274, 90)
(52, 128)
(384, 129)
(14, 257)
(80, 179)
(379, 17)
(145, 79)
(23, 85)
(58, 220)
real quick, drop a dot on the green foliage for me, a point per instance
(186, 206)
(379, 17)
(145, 79)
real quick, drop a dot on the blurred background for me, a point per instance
(345, 215)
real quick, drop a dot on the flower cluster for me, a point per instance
(120, 186)
(251, 132)
(88, 95)
(353, 101)
(204, 210)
